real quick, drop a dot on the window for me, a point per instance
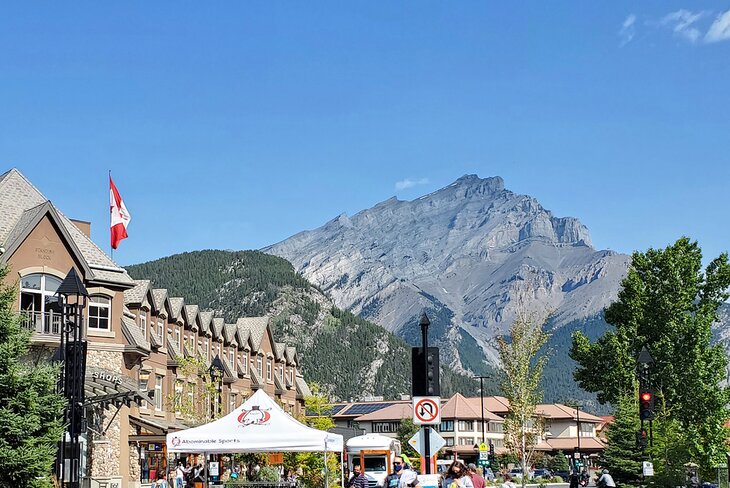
(232, 402)
(449, 441)
(99, 312)
(291, 376)
(495, 427)
(268, 370)
(158, 392)
(177, 337)
(143, 322)
(160, 330)
(37, 300)
(259, 365)
(244, 362)
(446, 426)
(466, 441)
(385, 427)
(281, 373)
(178, 396)
(144, 380)
(232, 357)
(466, 425)
(206, 348)
(191, 396)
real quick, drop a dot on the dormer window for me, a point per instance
(143, 322)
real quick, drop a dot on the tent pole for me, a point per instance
(326, 474)
(342, 469)
(206, 469)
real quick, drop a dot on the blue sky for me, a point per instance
(234, 125)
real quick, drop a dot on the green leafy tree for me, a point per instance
(667, 303)
(523, 365)
(30, 408)
(312, 464)
(406, 430)
(558, 462)
(622, 456)
(196, 394)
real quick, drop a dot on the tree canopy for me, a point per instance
(30, 408)
(667, 303)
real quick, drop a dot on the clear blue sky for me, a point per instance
(236, 124)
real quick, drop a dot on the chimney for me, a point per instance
(83, 226)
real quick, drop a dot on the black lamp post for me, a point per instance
(72, 300)
(481, 396)
(216, 375)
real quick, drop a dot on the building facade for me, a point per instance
(141, 343)
(462, 428)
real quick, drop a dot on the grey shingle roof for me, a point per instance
(229, 334)
(191, 314)
(134, 335)
(205, 318)
(256, 328)
(155, 341)
(18, 195)
(256, 380)
(291, 355)
(217, 327)
(243, 333)
(279, 350)
(277, 383)
(136, 295)
(159, 295)
(176, 305)
(173, 348)
(302, 386)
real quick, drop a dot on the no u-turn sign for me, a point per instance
(426, 410)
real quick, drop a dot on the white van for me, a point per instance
(376, 453)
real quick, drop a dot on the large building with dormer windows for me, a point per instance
(138, 336)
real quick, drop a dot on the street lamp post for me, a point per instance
(424, 323)
(72, 301)
(481, 396)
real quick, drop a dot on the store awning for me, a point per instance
(105, 386)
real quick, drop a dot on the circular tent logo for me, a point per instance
(255, 416)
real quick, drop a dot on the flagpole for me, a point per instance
(110, 217)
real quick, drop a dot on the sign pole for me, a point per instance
(427, 428)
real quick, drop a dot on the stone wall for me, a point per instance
(104, 449)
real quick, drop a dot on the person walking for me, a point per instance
(408, 477)
(476, 479)
(179, 475)
(508, 483)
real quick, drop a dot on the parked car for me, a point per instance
(541, 473)
(563, 474)
(517, 473)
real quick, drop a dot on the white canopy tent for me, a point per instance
(258, 425)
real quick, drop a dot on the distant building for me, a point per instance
(137, 337)
(461, 424)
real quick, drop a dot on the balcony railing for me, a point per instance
(41, 322)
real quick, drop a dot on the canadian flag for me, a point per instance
(120, 218)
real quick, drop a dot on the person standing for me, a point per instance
(392, 480)
(179, 475)
(508, 483)
(358, 480)
(476, 479)
(457, 476)
(408, 477)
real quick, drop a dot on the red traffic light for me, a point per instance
(645, 396)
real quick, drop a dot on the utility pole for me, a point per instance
(424, 323)
(481, 395)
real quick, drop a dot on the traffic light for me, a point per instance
(646, 403)
(425, 382)
(492, 457)
(642, 438)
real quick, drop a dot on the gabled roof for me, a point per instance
(22, 206)
(244, 334)
(191, 316)
(396, 411)
(277, 384)
(559, 411)
(136, 295)
(302, 387)
(459, 407)
(257, 327)
(256, 380)
(159, 297)
(155, 341)
(217, 326)
(495, 404)
(279, 349)
(134, 335)
(173, 349)
(205, 318)
(176, 306)
(291, 355)
(229, 334)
